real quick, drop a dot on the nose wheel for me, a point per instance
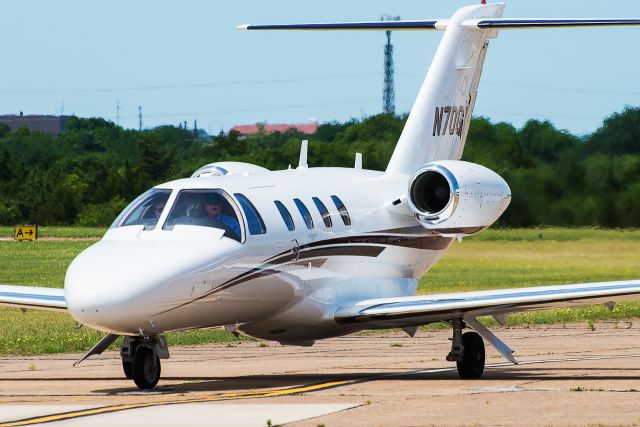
(127, 367)
(146, 368)
(141, 359)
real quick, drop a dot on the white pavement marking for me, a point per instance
(193, 414)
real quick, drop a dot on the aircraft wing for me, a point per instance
(33, 297)
(423, 309)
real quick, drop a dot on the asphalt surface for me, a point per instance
(568, 375)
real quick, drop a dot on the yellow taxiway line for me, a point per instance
(276, 392)
(226, 396)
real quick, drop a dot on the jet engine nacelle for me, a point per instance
(456, 197)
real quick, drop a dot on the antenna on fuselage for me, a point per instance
(302, 164)
(358, 162)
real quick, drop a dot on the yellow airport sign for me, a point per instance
(25, 232)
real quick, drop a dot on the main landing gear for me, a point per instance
(467, 350)
(141, 359)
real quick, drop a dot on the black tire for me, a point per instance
(146, 368)
(472, 364)
(127, 367)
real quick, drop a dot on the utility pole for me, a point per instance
(140, 118)
(388, 89)
(117, 111)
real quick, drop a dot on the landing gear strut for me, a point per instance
(141, 359)
(467, 350)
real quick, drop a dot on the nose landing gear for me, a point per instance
(141, 359)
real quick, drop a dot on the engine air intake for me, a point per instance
(431, 192)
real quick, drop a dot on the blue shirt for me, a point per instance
(230, 222)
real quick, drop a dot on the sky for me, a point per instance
(186, 61)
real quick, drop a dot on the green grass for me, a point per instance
(66, 232)
(39, 263)
(564, 256)
(477, 264)
(494, 259)
(38, 332)
(555, 234)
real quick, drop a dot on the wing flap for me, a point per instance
(33, 297)
(423, 309)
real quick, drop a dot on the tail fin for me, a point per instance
(439, 120)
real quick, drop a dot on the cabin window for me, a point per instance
(254, 220)
(344, 213)
(306, 216)
(206, 208)
(144, 210)
(286, 216)
(324, 212)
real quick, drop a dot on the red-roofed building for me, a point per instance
(306, 128)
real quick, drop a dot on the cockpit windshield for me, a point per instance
(145, 210)
(208, 208)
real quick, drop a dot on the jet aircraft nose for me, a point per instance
(115, 286)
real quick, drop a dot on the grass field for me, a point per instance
(494, 259)
(67, 232)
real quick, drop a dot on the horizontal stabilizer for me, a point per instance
(523, 23)
(441, 24)
(431, 24)
(422, 309)
(33, 297)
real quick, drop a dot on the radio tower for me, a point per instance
(388, 89)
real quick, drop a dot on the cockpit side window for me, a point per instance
(144, 210)
(254, 220)
(206, 208)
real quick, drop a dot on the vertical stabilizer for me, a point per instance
(439, 120)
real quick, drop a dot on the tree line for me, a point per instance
(87, 174)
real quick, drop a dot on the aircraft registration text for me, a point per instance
(449, 120)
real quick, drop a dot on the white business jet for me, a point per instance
(303, 254)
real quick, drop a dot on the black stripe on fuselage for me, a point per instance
(360, 245)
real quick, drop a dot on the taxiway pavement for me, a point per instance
(569, 375)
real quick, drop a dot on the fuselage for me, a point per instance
(280, 284)
(287, 284)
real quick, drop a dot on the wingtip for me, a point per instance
(243, 27)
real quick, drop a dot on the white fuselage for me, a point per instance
(287, 285)
(282, 285)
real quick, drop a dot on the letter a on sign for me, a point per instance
(25, 232)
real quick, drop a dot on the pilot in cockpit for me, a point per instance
(213, 206)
